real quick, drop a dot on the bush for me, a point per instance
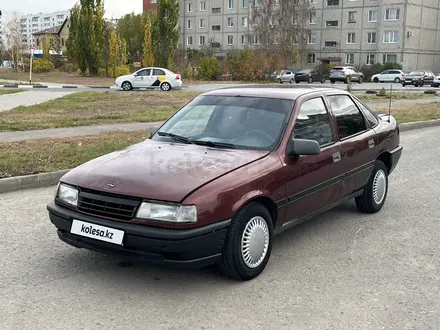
(40, 65)
(68, 67)
(391, 66)
(102, 72)
(190, 72)
(58, 61)
(122, 71)
(369, 70)
(209, 68)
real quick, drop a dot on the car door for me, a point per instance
(357, 141)
(142, 78)
(384, 76)
(158, 76)
(429, 78)
(313, 182)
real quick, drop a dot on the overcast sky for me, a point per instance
(116, 8)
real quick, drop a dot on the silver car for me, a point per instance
(282, 76)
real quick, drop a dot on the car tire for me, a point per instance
(348, 80)
(310, 80)
(127, 86)
(322, 80)
(291, 81)
(279, 81)
(361, 80)
(297, 81)
(397, 80)
(375, 192)
(422, 83)
(253, 220)
(166, 87)
(403, 84)
(376, 80)
(332, 82)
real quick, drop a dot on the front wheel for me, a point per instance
(165, 87)
(348, 80)
(310, 80)
(361, 80)
(376, 190)
(376, 80)
(323, 81)
(127, 86)
(248, 243)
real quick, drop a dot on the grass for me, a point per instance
(395, 96)
(10, 91)
(93, 108)
(39, 156)
(413, 112)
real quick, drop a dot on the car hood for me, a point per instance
(159, 170)
(127, 77)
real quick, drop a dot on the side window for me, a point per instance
(158, 72)
(144, 73)
(372, 119)
(349, 118)
(313, 122)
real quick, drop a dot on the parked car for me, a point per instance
(309, 75)
(283, 76)
(150, 78)
(389, 75)
(436, 81)
(419, 78)
(346, 74)
(227, 173)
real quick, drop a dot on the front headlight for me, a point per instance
(68, 194)
(168, 212)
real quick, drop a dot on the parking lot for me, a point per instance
(342, 270)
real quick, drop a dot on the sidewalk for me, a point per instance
(73, 131)
(11, 101)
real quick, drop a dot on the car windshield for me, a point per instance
(237, 121)
(417, 73)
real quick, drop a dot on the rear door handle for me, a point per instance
(336, 157)
(371, 143)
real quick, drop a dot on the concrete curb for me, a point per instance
(31, 181)
(55, 87)
(51, 179)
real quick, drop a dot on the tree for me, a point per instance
(282, 27)
(123, 52)
(131, 28)
(14, 45)
(46, 45)
(166, 32)
(148, 57)
(87, 30)
(113, 52)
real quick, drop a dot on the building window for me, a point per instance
(331, 23)
(202, 5)
(189, 40)
(370, 59)
(332, 2)
(244, 21)
(331, 44)
(243, 40)
(189, 7)
(372, 16)
(230, 4)
(310, 58)
(202, 23)
(216, 28)
(189, 24)
(312, 18)
(351, 17)
(216, 10)
(351, 38)
(392, 14)
(349, 59)
(202, 40)
(391, 37)
(153, 1)
(371, 37)
(255, 40)
(387, 58)
(312, 39)
(245, 3)
(312, 1)
(230, 40)
(277, 2)
(256, 3)
(230, 21)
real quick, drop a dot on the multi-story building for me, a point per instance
(31, 24)
(354, 32)
(1, 29)
(149, 5)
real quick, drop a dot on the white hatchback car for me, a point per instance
(389, 75)
(436, 82)
(151, 78)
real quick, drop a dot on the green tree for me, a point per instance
(166, 32)
(46, 45)
(113, 52)
(123, 52)
(131, 28)
(148, 57)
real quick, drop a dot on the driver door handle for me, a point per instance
(336, 157)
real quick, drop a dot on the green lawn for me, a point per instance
(10, 91)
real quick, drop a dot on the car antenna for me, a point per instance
(389, 107)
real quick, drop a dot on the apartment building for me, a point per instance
(354, 32)
(149, 5)
(31, 24)
(1, 29)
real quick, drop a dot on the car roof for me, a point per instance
(289, 93)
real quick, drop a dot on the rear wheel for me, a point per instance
(348, 80)
(279, 81)
(322, 80)
(310, 80)
(376, 190)
(332, 81)
(165, 87)
(297, 81)
(127, 86)
(397, 80)
(361, 80)
(248, 243)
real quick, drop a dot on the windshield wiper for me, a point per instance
(176, 137)
(215, 144)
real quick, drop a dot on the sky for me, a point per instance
(115, 8)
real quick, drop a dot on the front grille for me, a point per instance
(107, 205)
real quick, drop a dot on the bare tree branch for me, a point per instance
(14, 45)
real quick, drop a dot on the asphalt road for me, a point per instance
(342, 270)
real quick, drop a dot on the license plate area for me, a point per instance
(97, 232)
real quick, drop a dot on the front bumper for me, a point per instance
(189, 248)
(396, 153)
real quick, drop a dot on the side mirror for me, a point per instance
(301, 147)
